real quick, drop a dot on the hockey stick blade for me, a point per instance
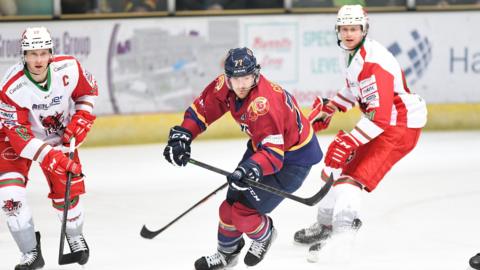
(321, 193)
(69, 258)
(148, 234)
(307, 201)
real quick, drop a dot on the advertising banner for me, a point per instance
(160, 64)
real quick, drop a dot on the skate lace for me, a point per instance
(29, 257)
(257, 248)
(215, 259)
(76, 243)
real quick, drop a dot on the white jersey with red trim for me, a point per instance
(34, 118)
(376, 82)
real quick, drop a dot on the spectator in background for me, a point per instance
(386, 3)
(443, 3)
(33, 7)
(226, 4)
(193, 5)
(77, 7)
(8, 8)
(259, 4)
(339, 3)
(140, 5)
(328, 3)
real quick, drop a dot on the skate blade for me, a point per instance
(70, 258)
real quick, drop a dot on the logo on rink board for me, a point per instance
(413, 58)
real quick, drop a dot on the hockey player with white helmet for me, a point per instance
(45, 100)
(387, 131)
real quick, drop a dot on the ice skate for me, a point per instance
(346, 239)
(77, 243)
(219, 260)
(257, 250)
(32, 259)
(316, 232)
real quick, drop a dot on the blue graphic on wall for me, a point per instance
(419, 56)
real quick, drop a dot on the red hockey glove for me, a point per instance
(341, 149)
(58, 163)
(78, 127)
(321, 114)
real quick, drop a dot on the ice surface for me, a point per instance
(424, 214)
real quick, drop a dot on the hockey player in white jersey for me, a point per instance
(45, 100)
(387, 131)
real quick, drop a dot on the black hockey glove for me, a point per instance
(177, 150)
(247, 169)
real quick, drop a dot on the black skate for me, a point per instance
(78, 244)
(219, 260)
(316, 232)
(475, 262)
(315, 248)
(32, 259)
(257, 250)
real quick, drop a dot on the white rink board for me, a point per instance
(160, 64)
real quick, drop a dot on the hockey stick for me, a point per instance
(75, 256)
(146, 233)
(308, 201)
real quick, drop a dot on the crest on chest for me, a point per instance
(52, 123)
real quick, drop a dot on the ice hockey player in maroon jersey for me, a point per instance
(281, 150)
(45, 100)
(387, 131)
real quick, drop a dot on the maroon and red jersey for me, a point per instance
(269, 115)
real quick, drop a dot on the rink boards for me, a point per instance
(152, 128)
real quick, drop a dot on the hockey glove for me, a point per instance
(321, 114)
(177, 150)
(59, 164)
(78, 127)
(341, 149)
(247, 169)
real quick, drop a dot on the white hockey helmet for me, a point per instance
(352, 15)
(35, 38)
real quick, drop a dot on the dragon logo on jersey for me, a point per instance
(11, 207)
(52, 123)
(258, 107)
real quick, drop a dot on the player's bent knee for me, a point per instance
(245, 219)
(77, 188)
(225, 212)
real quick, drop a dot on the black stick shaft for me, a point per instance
(146, 233)
(308, 201)
(66, 203)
